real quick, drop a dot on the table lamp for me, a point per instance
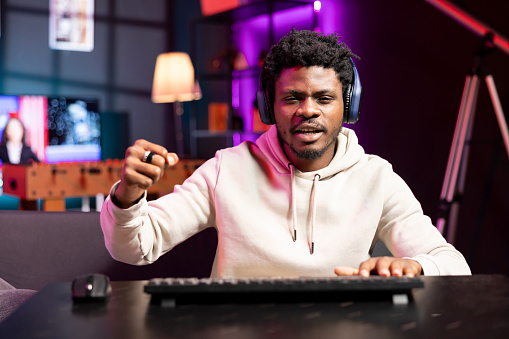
(174, 82)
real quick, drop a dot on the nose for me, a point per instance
(308, 108)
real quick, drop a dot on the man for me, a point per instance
(304, 200)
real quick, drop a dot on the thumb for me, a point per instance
(345, 270)
(172, 159)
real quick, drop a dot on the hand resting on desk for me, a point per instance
(384, 266)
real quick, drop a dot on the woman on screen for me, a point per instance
(13, 149)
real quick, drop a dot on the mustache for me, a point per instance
(311, 123)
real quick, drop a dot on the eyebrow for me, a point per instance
(295, 92)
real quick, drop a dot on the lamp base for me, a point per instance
(178, 110)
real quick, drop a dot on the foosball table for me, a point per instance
(54, 182)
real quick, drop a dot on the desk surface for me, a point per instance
(448, 307)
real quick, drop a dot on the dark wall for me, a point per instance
(414, 61)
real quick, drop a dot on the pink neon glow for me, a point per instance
(235, 90)
(252, 37)
(33, 112)
(470, 23)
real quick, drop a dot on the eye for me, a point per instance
(325, 99)
(291, 99)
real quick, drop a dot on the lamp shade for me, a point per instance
(174, 79)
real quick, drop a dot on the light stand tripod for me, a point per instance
(455, 174)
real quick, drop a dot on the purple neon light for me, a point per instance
(235, 90)
(317, 6)
(251, 37)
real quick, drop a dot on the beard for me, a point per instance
(310, 154)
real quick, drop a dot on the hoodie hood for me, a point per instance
(348, 153)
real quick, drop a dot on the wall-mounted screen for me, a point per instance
(57, 128)
(31, 110)
(74, 130)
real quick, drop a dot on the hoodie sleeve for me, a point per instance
(408, 233)
(140, 234)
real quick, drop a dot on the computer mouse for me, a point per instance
(90, 287)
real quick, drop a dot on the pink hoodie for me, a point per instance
(274, 220)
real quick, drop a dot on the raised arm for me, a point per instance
(144, 165)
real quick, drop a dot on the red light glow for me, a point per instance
(470, 22)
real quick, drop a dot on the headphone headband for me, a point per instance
(351, 101)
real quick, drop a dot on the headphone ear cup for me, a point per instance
(352, 98)
(263, 105)
(347, 103)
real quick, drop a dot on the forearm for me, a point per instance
(445, 260)
(122, 231)
(408, 233)
(419, 240)
(143, 232)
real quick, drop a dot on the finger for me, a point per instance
(367, 266)
(152, 158)
(149, 146)
(412, 269)
(153, 171)
(137, 178)
(408, 272)
(134, 162)
(147, 152)
(172, 159)
(397, 268)
(134, 165)
(345, 270)
(143, 154)
(383, 265)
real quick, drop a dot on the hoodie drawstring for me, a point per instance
(294, 206)
(293, 229)
(311, 239)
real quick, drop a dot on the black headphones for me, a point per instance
(351, 101)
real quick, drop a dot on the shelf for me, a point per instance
(244, 73)
(228, 134)
(203, 133)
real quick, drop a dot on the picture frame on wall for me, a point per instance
(71, 25)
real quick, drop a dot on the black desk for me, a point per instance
(448, 307)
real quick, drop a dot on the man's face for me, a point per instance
(308, 108)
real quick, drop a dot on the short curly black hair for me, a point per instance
(307, 48)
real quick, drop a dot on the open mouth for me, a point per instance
(307, 134)
(307, 131)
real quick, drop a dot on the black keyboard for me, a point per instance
(172, 291)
